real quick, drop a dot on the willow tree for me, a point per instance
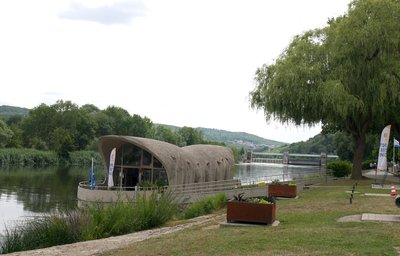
(345, 75)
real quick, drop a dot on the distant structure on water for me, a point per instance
(288, 158)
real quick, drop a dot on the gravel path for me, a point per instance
(96, 247)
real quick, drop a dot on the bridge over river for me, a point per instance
(289, 158)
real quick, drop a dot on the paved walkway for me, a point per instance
(380, 217)
(96, 247)
(370, 217)
(380, 175)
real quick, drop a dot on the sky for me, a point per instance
(177, 62)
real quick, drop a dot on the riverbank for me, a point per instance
(308, 226)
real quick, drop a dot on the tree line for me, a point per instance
(65, 127)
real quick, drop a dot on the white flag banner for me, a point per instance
(396, 143)
(382, 160)
(111, 168)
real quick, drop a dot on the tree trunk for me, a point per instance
(359, 144)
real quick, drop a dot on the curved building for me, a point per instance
(141, 160)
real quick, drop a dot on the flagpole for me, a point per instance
(393, 159)
(91, 177)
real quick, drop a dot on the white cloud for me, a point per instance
(182, 63)
(113, 13)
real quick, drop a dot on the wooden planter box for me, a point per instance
(282, 190)
(250, 212)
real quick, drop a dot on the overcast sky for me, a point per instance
(178, 62)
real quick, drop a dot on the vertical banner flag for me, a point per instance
(111, 169)
(396, 143)
(92, 181)
(382, 160)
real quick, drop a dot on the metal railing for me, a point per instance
(205, 187)
(201, 187)
(86, 185)
(323, 176)
(224, 185)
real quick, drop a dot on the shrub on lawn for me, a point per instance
(340, 168)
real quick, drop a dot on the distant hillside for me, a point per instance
(315, 145)
(238, 139)
(7, 111)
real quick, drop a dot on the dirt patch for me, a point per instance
(96, 247)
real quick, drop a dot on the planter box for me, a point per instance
(282, 190)
(250, 212)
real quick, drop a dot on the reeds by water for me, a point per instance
(205, 206)
(95, 222)
(40, 158)
(27, 157)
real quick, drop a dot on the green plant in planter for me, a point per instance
(255, 200)
(254, 210)
(276, 181)
(264, 200)
(239, 197)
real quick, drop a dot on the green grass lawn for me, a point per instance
(308, 226)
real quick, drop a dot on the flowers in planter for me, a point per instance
(263, 200)
(256, 200)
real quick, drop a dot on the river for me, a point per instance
(28, 192)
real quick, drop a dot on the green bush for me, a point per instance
(205, 206)
(115, 219)
(366, 164)
(41, 232)
(340, 168)
(152, 211)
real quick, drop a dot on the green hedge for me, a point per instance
(340, 168)
(34, 157)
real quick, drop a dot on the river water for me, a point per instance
(28, 192)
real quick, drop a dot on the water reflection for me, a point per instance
(32, 191)
(40, 190)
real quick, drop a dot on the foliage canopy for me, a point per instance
(346, 75)
(65, 127)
